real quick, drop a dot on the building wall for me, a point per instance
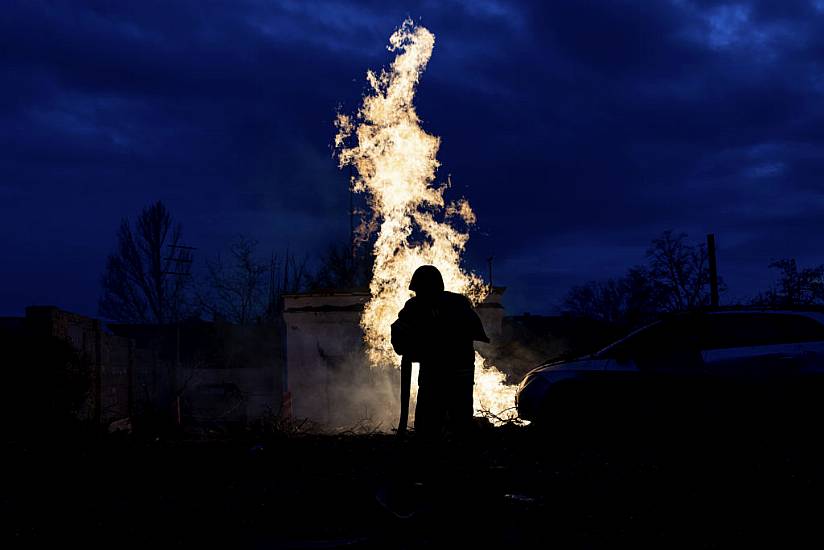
(109, 356)
(328, 376)
(323, 341)
(225, 373)
(216, 396)
(209, 373)
(116, 377)
(491, 311)
(232, 373)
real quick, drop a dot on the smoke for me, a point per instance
(346, 394)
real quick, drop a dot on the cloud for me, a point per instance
(578, 130)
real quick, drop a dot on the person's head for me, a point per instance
(426, 282)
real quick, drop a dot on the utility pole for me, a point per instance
(181, 257)
(489, 263)
(713, 270)
(351, 218)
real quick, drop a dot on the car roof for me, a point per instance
(812, 312)
(815, 313)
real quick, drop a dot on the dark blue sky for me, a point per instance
(578, 131)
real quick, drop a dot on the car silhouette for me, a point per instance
(739, 364)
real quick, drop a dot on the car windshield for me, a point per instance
(716, 331)
(617, 348)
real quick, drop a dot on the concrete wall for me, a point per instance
(215, 396)
(225, 373)
(116, 377)
(234, 374)
(207, 373)
(109, 356)
(324, 346)
(328, 376)
(491, 311)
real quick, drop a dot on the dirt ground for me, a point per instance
(506, 487)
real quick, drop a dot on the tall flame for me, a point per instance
(396, 163)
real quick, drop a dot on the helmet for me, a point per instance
(426, 280)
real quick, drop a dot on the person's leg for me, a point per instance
(418, 468)
(459, 464)
(430, 413)
(460, 408)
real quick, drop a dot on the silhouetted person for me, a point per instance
(437, 329)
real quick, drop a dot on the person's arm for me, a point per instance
(402, 330)
(406, 383)
(476, 327)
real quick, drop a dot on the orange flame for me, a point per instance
(396, 163)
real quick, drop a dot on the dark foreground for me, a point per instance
(509, 487)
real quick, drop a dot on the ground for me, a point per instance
(507, 487)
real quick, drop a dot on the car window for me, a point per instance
(665, 338)
(730, 330)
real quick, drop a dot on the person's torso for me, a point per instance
(444, 339)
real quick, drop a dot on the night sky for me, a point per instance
(578, 130)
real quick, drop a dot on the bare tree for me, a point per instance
(679, 271)
(235, 288)
(141, 282)
(794, 287)
(286, 276)
(627, 300)
(242, 288)
(294, 273)
(676, 278)
(342, 267)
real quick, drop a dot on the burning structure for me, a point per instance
(412, 224)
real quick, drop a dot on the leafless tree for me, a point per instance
(235, 287)
(679, 270)
(342, 267)
(286, 276)
(242, 288)
(293, 272)
(794, 287)
(676, 278)
(141, 282)
(627, 300)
